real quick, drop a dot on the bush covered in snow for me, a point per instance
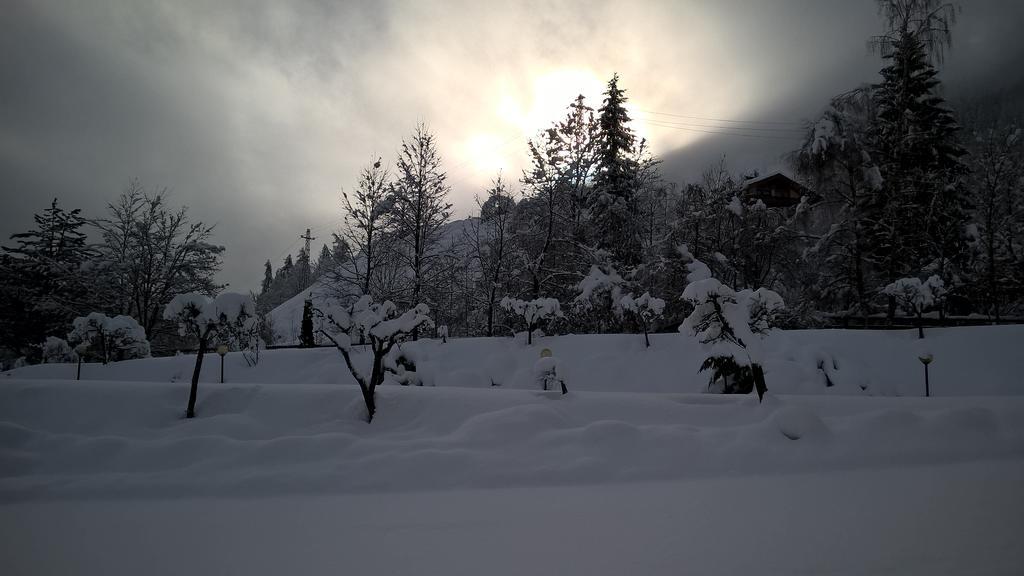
(535, 313)
(915, 296)
(644, 309)
(58, 351)
(106, 338)
(730, 326)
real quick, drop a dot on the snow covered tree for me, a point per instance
(535, 313)
(644, 309)
(153, 252)
(723, 323)
(44, 280)
(117, 338)
(380, 325)
(420, 209)
(58, 351)
(921, 206)
(599, 299)
(203, 319)
(997, 188)
(491, 240)
(838, 158)
(553, 219)
(915, 296)
(615, 183)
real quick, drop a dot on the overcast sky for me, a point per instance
(257, 114)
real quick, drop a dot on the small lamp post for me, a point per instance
(926, 359)
(222, 350)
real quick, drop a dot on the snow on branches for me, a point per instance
(533, 312)
(915, 296)
(730, 325)
(645, 309)
(117, 338)
(380, 324)
(230, 318)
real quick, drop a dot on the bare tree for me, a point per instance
(491, 239)
(420, 210)
(152, 252)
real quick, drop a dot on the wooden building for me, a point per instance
(776, 190)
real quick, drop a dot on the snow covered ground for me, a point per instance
(634, 471)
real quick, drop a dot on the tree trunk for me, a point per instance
(759, 383)
(647, 339)
(191, 411)
(920, 325)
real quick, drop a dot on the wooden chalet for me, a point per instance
(776, 190)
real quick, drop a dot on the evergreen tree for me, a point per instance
(616, 180)
(306, 331)
(324, 262)
(303, 271)
(264, 300)
(44, 281)
(921, 208)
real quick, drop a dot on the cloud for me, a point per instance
(257, 114)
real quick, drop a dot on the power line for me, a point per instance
(719, 127)
(729, 120)
(734, 133)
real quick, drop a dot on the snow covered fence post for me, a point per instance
(381, 324)
(201, 318)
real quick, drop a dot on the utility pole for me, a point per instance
(309, 259)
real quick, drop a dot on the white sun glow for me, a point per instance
(523, 113)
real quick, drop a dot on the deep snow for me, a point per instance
(634, 471)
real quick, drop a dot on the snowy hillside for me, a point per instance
(287, 317)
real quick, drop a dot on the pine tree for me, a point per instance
(921, 208)
(306, 331)
(616, 180)
(324, 262)
(44, 283)
(265, 297)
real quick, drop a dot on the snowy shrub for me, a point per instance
(599, 298)
(535, 313)
(58, 351)
(225, 319)
(729, 325)
(915, 296)
(106, 338)
(380, 325)
(644, 309)
(696, 270)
